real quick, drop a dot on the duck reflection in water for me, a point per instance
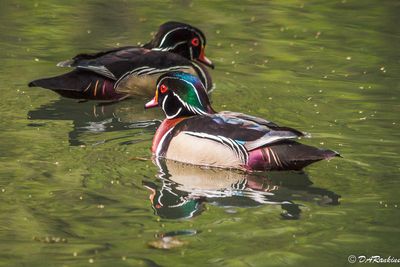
(90, 117)
(183, 190)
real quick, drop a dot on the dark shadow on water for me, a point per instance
(93, 117)
(183, 190)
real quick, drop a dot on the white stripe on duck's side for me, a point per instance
(207, 149)
(276, 158)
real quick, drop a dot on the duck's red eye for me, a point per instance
(195, 41)
(163, 88)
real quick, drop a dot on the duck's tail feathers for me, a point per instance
(79, 84)
(76, 80)
(294, 155)
(291, 155)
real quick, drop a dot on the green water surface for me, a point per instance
(75, 178)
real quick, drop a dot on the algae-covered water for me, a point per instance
(78, 187)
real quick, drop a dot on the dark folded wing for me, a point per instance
(244, 132)
(132, 61)
(248, 117)
(81, 58)
(148, 59)
(260, 121)
(112, 64)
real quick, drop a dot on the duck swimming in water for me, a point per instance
(133, 71)
(196, 134)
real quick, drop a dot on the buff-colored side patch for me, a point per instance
(201, 151)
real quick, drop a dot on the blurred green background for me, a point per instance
(71, 174)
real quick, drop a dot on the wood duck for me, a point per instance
(126, 71)
(194, 133)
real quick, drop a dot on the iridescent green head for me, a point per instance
(180, 94)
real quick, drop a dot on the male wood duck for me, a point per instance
(194, 133)
(126, 71)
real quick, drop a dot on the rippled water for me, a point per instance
(77, 185)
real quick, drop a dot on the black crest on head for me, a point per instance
(179, 38)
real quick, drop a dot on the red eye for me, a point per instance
(163, 88)
(195, 41)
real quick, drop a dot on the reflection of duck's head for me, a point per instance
(169, 203)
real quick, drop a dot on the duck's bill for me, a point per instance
(203, 59)
(152, 103)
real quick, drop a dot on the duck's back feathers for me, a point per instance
(113, 64)
(261, 121)
(155, 60)
(248, 117)
(84, 57)
(121, 62)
